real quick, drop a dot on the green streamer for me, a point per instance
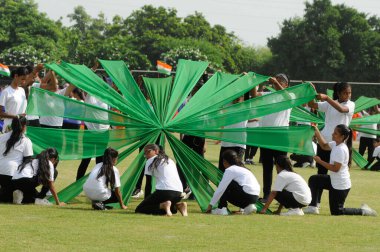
(359, 159)
(363, 103)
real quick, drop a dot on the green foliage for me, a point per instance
(23, 55)
(330, 42)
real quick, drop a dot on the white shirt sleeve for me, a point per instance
(338, 156)
(323, 106)
(148, 162)
(51, 169)
(226, 180)
(351, 107)
(117, 177)
(376, 152)
(3, 98)
(28, 150)
(279, 184)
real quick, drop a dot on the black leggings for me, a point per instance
(287, 199)
(28, 187)
(84, 164)
(250, 152)
(6, 190)
(151, 204)
(235, 194)
(367, 143)
(336, 197)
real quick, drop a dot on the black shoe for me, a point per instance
(98, 205)
(108, 207)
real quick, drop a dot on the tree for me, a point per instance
(328, 42)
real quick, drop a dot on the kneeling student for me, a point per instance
(103, 184)
(32, 173)
(166, 199)
(238, 186)
(289, 189)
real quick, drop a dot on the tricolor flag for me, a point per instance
(164, 68)
(4, 70)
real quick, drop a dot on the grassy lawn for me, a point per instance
(76, 227)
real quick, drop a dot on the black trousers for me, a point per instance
(28, 188)
(300, 159)
(45, 189)
(50, 127)
(6, 190)
(84, 164)
(66, 125)
(151, 204)
(250, 152)
(239, 151)
(376, 166)
(325, 156)
(287, 199)
(367, 143)
(268, 156)
(235, 195)
(34, 123)
(336, 197)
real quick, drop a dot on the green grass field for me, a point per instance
(76, 227)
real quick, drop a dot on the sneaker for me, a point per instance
(367, 211)
(137, 193)
(49, 194)
(306, 164)
(187, 194)
(250, 209)
(17, 197)
(311, 210)
(42, 202)
(293, 212)
(313, 164)
(98, 205)
(220, 211)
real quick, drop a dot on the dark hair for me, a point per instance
(231, 157)
(78, 92)
(107, 167)
(20, 71)
(284, 163)
(283, 76)
(347, 133)
(160, 156)
(17, 124)
(338, 88)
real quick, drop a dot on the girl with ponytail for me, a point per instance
(103, 184)
(338, 182)
(32, 173)
(166, 198)
(238, 186)
(14, 148)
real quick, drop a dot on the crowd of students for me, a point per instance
(21, 174)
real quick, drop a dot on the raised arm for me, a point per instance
(321, 141)
(335, 104)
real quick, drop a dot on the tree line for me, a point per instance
(329, 42)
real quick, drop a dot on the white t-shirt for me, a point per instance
(242, 176)
(333, 117)
(10, 162)
(278, 119)
(376, 152)
(102, 115)
(340, 180)
(33, 117)
(239, 136)
(96, 189)
(14, 103)
(166, 175)
(56, 105)
(294, 183)
(30, 170)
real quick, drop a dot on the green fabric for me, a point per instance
(359, 159)
(363, 103)
(300, 114)
(78, 144)
(366, 120)
(329, 93)
(159, 91)
(368, 131)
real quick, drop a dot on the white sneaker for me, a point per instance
(367, 211)
(17, 197)
(43, 202)
(48, 194)
(293, 212)
(306, 164)
(138, 194)
(186, 195)
(220, 211)
(313, 164)
(249, 209)
(311, 210)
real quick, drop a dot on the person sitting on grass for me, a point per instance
(238, 186)
(289, 189)
(32, 173)
(168, 194)
(103, 184)
(375, 155)
(338, 182)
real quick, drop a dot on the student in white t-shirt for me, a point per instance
(338, 183)
(375, 156)
(13, 99)
(279, 119)
(103, 184)
(14, 148)
(35, 172)
(289, 189)
(238, 186)
(166, 198)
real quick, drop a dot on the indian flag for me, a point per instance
(4, 70)
(164, 68)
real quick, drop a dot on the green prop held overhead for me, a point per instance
(201, 116)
